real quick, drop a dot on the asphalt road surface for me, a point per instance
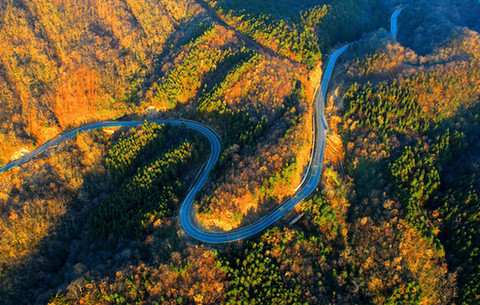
(393, 22)
(309, 183)
(186, 217)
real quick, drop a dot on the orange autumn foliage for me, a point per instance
(75, 100)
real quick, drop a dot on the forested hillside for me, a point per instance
(302, 30)
(68, 62)
(95, 220)
(411, 141)
(267, 140)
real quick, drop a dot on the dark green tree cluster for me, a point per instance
(187, 77)
(211, 103)
(411, 294)
(149, 193)
(416, 176)
(301, 30)
(245, 129)
(322, 213)
(447, 146)
(256, 279)
(461, 211)
(293, 40)
(284, 174)
(432, 165)
(458, 204)
(388, 108)
(415, 173)
(269, 23)
(286, 266)
(130, 152)
(240, 128)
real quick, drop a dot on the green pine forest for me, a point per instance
(395, 218)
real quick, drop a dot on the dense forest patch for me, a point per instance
(394, 221)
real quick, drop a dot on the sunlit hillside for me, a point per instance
(65, 63)
(96, 220)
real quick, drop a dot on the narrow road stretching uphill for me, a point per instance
(393, 23)
(308, 185)
(313, 177)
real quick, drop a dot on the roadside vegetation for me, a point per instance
(150, 193)
(301, 30)
(95, 221)
(409, 144)
(67, 63)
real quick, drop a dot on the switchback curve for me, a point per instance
(308, 184)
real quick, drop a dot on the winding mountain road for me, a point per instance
(308, 184)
